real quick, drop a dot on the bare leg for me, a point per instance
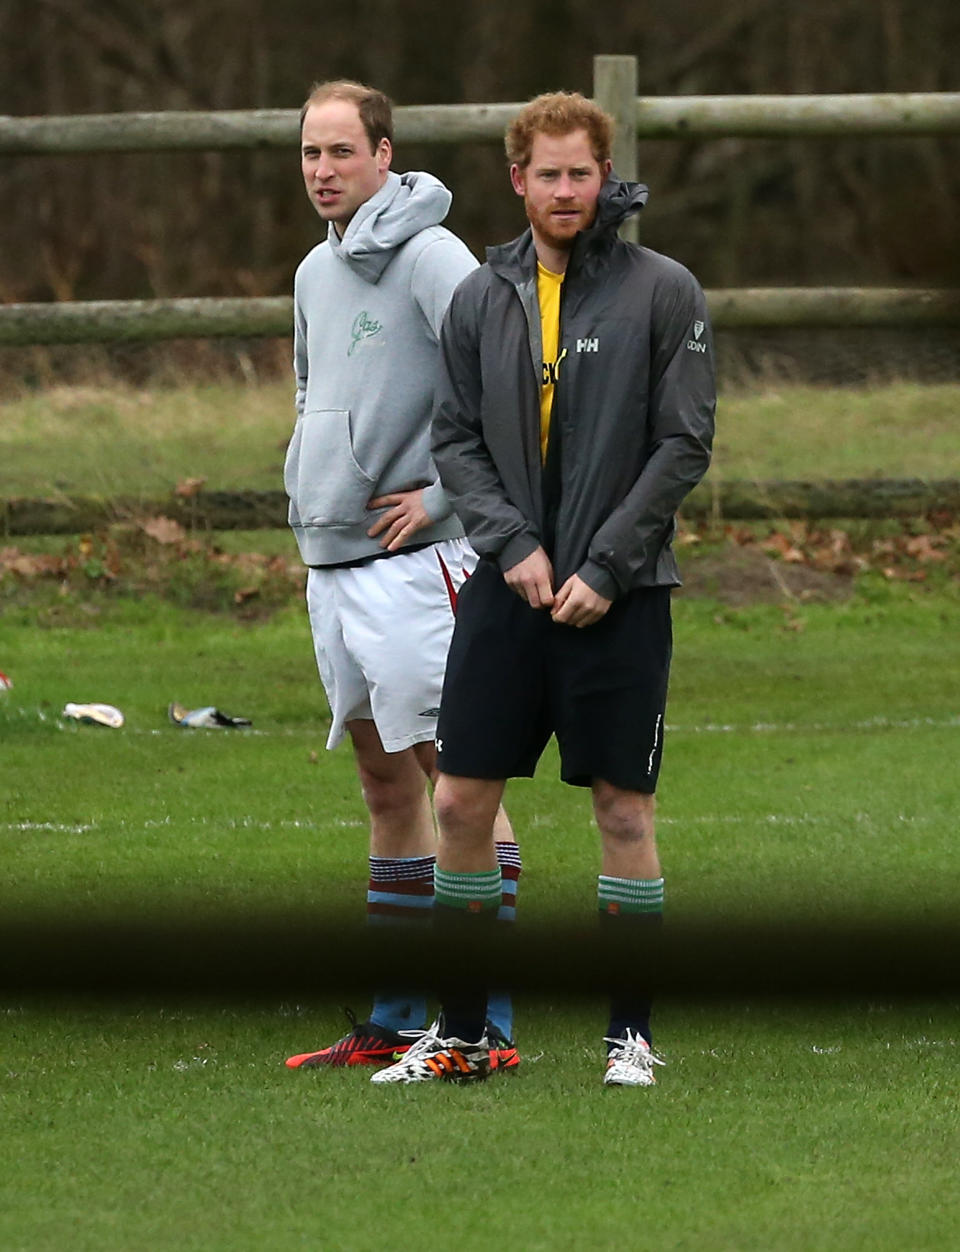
(394, 786)
(625, 819)
(467, 810)
(427, 756)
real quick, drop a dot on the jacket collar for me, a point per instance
(517, 261)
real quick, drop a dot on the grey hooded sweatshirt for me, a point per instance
(367, 315)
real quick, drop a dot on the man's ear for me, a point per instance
(518, 180)
(384, 154)
(606, 168)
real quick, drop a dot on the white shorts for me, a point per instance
(381, 633)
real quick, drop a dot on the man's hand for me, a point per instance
(532, 579)
(576, 604)
(405, 515)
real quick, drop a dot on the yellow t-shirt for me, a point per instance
(549, 286)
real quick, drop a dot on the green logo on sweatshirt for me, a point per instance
(364, 327)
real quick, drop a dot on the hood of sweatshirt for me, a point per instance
(404, 205)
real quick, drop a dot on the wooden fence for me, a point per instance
(128, 321)
(615, 87)
(637, 117)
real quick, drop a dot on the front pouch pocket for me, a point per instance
(322, 474)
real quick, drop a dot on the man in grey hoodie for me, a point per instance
(385, 550)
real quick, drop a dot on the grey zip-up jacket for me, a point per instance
(633, 412)
(367, 315)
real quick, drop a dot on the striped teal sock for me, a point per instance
(629, 895)
(632, 908)
(462, 902)
(470, 893)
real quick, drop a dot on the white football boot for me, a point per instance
(431, 1056)
(630, 1062)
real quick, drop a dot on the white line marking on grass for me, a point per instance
(924, 1042)
(232, 823)
(355, 823)
(767, 728)
(708, 728)
(58, 828)
(787, 819)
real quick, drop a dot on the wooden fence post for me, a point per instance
(615, 90)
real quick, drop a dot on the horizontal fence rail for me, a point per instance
(713, 500)
(132, 321)
(129, 321)
(656, 117)
(767, 117)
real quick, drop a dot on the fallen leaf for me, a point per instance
(34, 566)
(164, 530)
(924, 548)
(189, 487)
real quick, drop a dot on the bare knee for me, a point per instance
(624, 817)
(391, 791)
(393, 783)
(466, 808)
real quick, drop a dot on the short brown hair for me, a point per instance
(558, 113)
(375, 109)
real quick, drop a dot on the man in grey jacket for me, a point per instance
(574, 413)
(384, 548)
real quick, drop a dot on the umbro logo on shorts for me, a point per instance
(429, 713)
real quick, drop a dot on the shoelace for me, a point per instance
(634, 1050)
(424, 1042)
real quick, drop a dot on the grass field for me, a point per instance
(810, 774)
(114, 440)
(177, 1128)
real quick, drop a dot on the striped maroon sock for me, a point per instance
(511, 866)
(400, 889)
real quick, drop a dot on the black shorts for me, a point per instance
(514, 677)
